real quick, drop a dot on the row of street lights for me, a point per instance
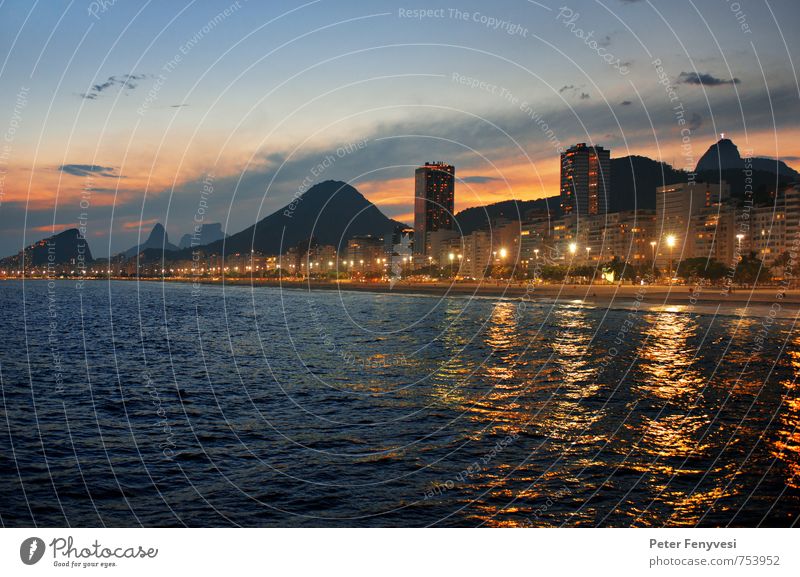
(670, 241)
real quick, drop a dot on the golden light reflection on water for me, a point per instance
(673, 440)
(666, 442)
(503, 340)
(786, 446)
(667, 361)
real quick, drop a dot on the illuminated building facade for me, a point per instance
(434, 197)
(585, 180)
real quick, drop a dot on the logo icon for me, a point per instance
(31, 550)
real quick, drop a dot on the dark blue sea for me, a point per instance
(157, 404)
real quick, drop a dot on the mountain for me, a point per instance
(67, 247)
(634, 180)
(481, 217)
(724, 155)
(331, 212)
(207, 234)
(158, 239)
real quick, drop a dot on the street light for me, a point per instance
(653, 246)
(739, 237)
(671, 244)
(573, 248)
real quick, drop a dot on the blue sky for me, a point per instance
(118, 113)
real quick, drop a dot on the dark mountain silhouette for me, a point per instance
(66, 247)
(764, 183)
(158, 239)
(720, 155)
(724, 155)
(331, 212)
(634, 180)
(207, 234)
(481, 217)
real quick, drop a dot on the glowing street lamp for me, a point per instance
(671, 244)
(653, 246)
(739, 238)
(573, 248)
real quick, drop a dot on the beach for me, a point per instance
(617, 295)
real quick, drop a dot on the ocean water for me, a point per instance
(127, 404)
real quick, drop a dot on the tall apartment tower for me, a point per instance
(585, 180)
(434, 196)
(699, 216)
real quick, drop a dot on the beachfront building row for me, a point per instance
(691, 220)
(707, 223)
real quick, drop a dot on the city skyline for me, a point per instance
(147, 126)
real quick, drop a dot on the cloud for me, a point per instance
(479, 179)
(625, 103)
(704, 79)
(139, 224)
(52, 229)
(178, 105)
(89, 170)
(573, 90)
(695, 122)
(125, 81)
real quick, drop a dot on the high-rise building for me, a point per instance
(434, 195)
(585, 180)
(365, 254)
(682, 210)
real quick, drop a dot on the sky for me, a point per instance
(119, 114)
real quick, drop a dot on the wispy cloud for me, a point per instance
(137, 224)
(89, 170)
(478, 179)
(704, 79)
(124, 81)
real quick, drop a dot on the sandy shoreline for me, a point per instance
(600, 295)
(684, 297)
